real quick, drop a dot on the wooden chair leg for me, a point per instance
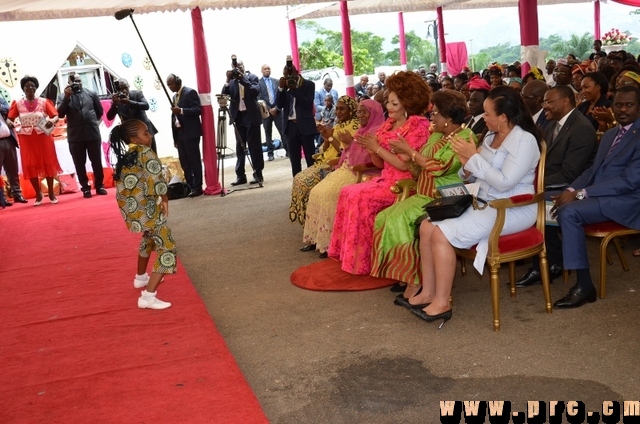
(495, 296)
(609, 260)
(512, 278)
(623, 259)
(546, 286)
(603, 267)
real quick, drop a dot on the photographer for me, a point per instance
(131, 104)
(244, 112)
(83, 111)
(296, 103)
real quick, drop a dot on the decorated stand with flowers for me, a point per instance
(615, 40)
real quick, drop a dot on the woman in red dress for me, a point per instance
(37, 150)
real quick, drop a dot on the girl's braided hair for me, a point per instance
(119, 138)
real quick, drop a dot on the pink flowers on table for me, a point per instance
(615, 36)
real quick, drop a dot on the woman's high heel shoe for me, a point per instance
(444, 316)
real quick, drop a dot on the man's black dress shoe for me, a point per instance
(196, 193)
(18, 198)
(86, 194)
(239, 180)
(101, 191)
(324, 255)
(534, 277)
(398, 287)
(271, 158)
(576, 297)
(308, 248)
(256, 179)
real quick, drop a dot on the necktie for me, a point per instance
(621, 132)
(242, 106)
(556, 131)
(471, 122)
(292, 107)
(267, 82)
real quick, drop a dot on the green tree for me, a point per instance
(502, 53)
(419, 51)
(581, 46)
(366, 48)
(479, 61)
(316, 55)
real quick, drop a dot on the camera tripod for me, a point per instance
(221, 144)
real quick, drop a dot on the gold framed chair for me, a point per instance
(608, 231)
(513, 247)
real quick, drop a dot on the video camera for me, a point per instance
(75, 87)
(236, 73)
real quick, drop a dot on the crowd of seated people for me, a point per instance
(482, 127)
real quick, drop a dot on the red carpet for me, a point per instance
(326, 275)
(75, 348)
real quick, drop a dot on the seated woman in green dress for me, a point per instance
(395, 252)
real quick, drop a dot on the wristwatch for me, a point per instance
(580, 194)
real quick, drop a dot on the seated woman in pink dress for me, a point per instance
(358, 204)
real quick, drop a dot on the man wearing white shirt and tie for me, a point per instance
(269, 93)
(244, 112)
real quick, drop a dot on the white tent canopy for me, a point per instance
(20, 10)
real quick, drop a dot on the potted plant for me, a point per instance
(615, 40)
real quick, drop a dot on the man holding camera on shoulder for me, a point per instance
(83, 111)
(131, 104)
(244, 112)
(298, 123)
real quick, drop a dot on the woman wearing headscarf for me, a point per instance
(395, 252)
(495, 76)
(323, 198)
(358, 204)
(304, 181)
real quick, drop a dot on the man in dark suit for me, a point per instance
(361, 87)
(476, 121)
(296, 103)
(187, 130)
(571, 146)
(533, 96)
(9, 153)
(269, 94)
(131, 104)
(83, 111)
(244, 112)
(609, 190)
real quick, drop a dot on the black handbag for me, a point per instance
(451, 206)
(178, 190)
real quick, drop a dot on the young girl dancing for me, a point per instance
(142, 199)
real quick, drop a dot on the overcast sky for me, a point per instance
(488, 27)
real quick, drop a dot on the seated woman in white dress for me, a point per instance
(504, 166)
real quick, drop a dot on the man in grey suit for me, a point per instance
(571, 146)
(9, 154)
(609, 190)
(244, 112)
(269, 94)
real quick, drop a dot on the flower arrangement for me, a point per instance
(615, 37)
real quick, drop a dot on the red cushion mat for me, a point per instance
(326, 275)
(75, 348)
